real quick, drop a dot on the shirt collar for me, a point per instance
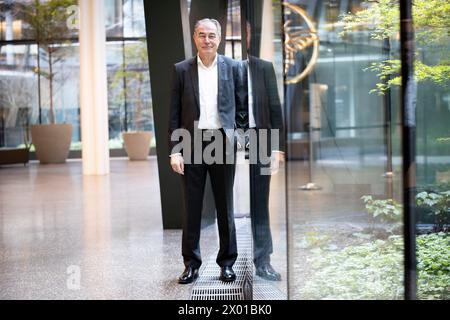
(200, 63)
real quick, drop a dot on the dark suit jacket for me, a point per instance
(231, 96)
(266, 102)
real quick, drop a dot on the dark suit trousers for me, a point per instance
(222, 180)
(259, 212)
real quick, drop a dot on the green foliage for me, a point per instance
(390, 212)
(374, 270)
(369, 271)
(48, 19)
(443, 140)
(439, 203)
(389, 70)
(48, 22)
(433, 264)
(386, 211)
(435, 187)
(431, 24)
(382, 18)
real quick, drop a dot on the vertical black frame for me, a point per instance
(408, 119)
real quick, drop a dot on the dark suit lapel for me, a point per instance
(193, 71)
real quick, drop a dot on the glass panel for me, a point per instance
(114, 18)
(266, 149)
(433, 150)
(59, 61)
(134, 20)
(344, 168)
(12, 26)
(116, 93)
(15, 23)
(59, 77)
(66, 88)
(138, 95)
(18, 101)
(130, 105)
(125, 18)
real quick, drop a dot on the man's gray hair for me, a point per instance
(205, 20)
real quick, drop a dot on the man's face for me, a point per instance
(206, 39)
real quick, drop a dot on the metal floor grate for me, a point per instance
(262, 290)
(208, 285)
(247, 285)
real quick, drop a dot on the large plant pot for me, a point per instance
(137, 144)
(51, 142)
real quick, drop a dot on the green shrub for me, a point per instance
(433, 265)
(386, 211)
(439, 203)
(374, 270)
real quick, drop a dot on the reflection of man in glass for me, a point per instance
(264, 113)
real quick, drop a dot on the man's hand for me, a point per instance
(177, 163)
(277, 160)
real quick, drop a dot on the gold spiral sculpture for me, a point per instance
(299, 41)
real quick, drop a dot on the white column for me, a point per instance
(93, 88)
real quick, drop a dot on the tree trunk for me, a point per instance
(50, 78)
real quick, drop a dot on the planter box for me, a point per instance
(13, 156)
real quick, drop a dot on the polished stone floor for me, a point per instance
(69, 236)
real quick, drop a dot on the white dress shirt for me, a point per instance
(208, 87)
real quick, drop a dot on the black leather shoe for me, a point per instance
(266, 271)
(189, 275)
(227, 274)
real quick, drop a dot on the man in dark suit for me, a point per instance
(207, 97)
(264, 115)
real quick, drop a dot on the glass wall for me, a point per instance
(433, 149)
(27, 95)
(344, 186)
(15, 109)
(345, 192)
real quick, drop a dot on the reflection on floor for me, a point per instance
(69, 236)
(66, 236)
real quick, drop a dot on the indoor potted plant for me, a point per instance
(48, 22)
